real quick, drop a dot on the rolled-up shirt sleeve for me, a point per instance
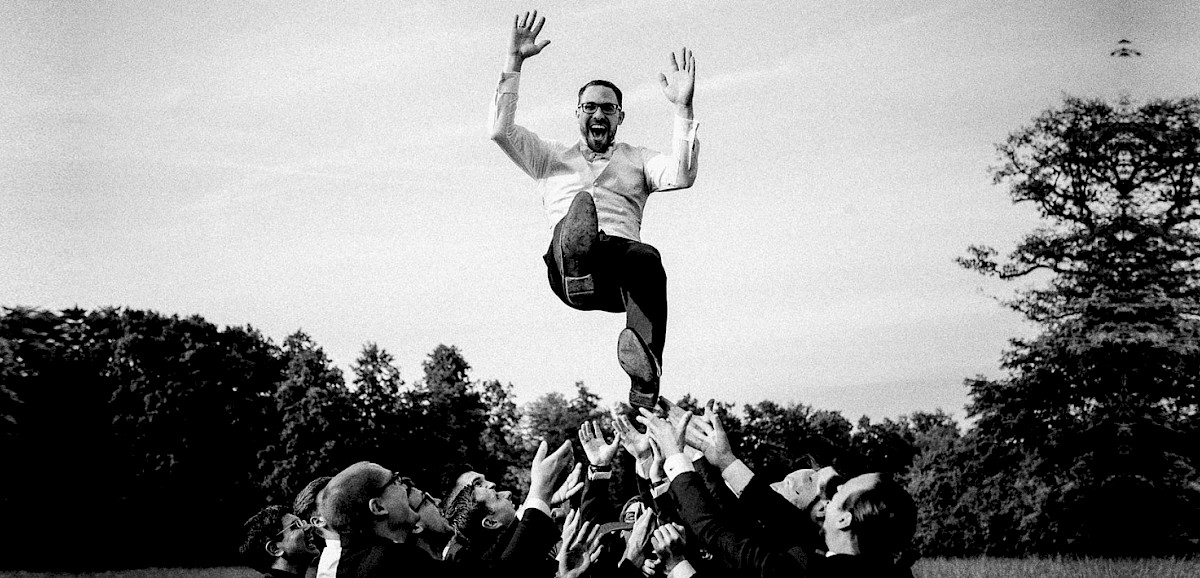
(678, 169)
(521, 145)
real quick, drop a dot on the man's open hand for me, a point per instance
(546, 468)
(679, 83)
(599, 452)
(524, 43)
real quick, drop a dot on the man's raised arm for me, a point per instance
(522, 146)
(678, 169)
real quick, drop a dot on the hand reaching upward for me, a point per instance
(637, 444)
(679, 83)
(599, 452)
(524, 43)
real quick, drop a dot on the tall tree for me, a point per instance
(556, 418)
(316, 419)
(378, 402)
(448, 419)
(1118, 188)
(505, 449)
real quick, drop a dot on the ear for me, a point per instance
(620, 118)
(843, 520)
(490, 522)
(273, 548)
(376, 506)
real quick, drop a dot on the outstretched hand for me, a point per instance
(671, 545)
(579, 548)
(524, 43)
(639, 538)
(569, 487)
(667, 434)
(708, 435)
(679, 83)
(634, 442)
(546, 468)
(599, 452)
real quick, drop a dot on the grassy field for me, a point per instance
(931, 568)
(145, 573)
(1066, 568)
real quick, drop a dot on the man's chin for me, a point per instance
(598, 144)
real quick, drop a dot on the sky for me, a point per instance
(324, 167)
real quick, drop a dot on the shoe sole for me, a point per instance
(635, 356)
(639, 363)
(575, 241)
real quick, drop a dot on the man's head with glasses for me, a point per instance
(599, 113)
(367, 498)
(277, 538)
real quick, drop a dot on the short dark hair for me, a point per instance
(258, 531)
(305, 504)
(601, 83)
(884, 518)
(450, 480)
(466, 514)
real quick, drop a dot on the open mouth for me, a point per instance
(598, 130)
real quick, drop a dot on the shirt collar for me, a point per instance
(593, 156)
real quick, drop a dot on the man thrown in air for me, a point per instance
(594, 191)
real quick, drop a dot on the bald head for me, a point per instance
(345, 501)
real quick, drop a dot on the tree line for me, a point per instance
(154, 436)
(155, 431)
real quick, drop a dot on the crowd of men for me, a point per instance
(699, 511)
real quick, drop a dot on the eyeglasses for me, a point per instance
(398, 479)
(296, 524)
(425, 497)
(592, 107)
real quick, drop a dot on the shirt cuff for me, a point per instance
(642, 467)
(736, 476)
(685, 128)
(683, 569)
(660, 489)
(509, 82)
(677, 464)
(535, 504)
(599, 474)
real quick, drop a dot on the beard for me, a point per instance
(599, 135)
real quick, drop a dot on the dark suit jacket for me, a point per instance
(524, 553)
(752, 555)
(595, 504)
(780, 519)
(371, 555)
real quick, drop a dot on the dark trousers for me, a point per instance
(629, 277)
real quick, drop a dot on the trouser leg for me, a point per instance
(643, 283)
(629, 277)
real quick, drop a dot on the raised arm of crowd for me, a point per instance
(698, 511)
